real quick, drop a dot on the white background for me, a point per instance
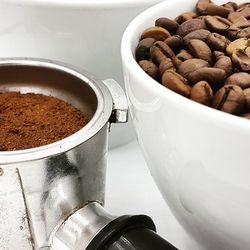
(130, 189)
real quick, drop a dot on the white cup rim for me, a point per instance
(127, 53)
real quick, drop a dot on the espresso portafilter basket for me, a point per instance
(52, 197)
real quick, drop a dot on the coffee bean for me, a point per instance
(190, 66)
(247, 50)
(235, 17)
(175, 43)
(174, 81)
(143, 48)
(229, 99)
(243, 5)
(241, 43)
(185, 16)
(244, 11)
(241, 60)
(217, 42)
(202, 93)
(200, 49)
(182, 56)
(197, 34)
(217, 24)
(247, 99)
(217, 55)
(214, 76)
(201, 6)
(225, 63)
(150, 68)
(232, 6)
(217, 10)
(189, 26)
(160, 51)
(246, 115)
(166, 64)
(158, 33)
(240, 79)
(170, 25)
(244, 33)
(235, 30)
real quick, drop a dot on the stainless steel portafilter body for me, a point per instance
(41, 188)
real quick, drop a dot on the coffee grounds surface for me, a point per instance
(32, 120)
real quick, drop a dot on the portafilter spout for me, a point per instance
(92, 228)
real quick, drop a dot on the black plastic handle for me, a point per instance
(129, 233)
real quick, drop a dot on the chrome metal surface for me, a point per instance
(41, 187)
(120, 105)
(77, 231)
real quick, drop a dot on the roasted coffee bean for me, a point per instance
(214, 76)
(217, 24)
(225, 63)
(246, 115)
(181, 57)
(190, 66)
(244, 11)
(240, 79)
(174, 81)
(217, 42)
(247, 50)
(229, 99)
(201, 6)
(243, 5)
(170, 25)
(175, 43)
(143, 48)
(217, 10)
(217, 55)
(244, 33)
(160, 51)
(235, 30)
(185, 16)
(202, 93)
(189, 26)
(166, 64)
(200, 49)
(232, 6)
(241, 60)
(234, 17)
(158, 33)
(247, 99)
(197, 34)
(150, 68)
(241, 43)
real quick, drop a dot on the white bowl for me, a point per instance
(198, 156)
(85, 33)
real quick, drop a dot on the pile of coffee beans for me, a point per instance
(203, 55)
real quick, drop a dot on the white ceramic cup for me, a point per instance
(198, 156)
(85, 33)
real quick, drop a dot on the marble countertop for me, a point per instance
(130, 189)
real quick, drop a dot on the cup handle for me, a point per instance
(120, 104)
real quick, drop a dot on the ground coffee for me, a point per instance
(32, 120)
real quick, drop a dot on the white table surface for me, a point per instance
(130, 189)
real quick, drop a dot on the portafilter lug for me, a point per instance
(120, 104)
